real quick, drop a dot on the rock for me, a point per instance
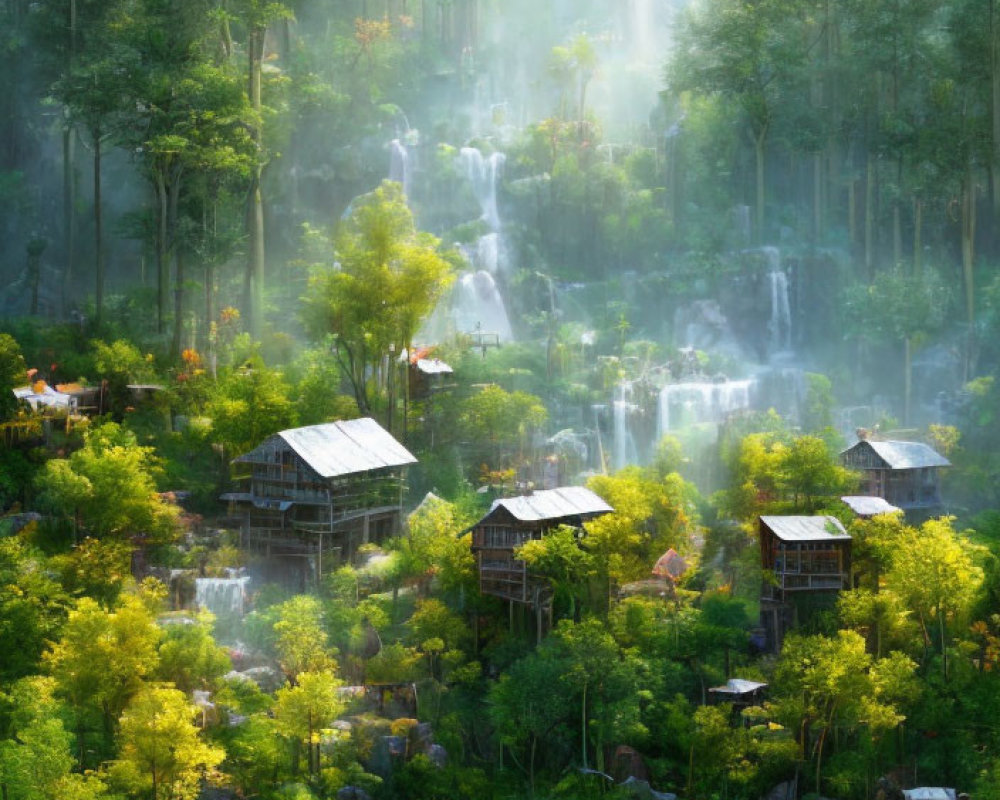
(388, 752)
(627, 763)
(783, 791)
(437, 755)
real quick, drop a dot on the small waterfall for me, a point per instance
(400, 169)
(484, 175)
(222, 595)
(624, 450)
(477, 305)
(780, 324)
(692, 403)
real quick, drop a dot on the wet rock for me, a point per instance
(438, 755)
(642, 790)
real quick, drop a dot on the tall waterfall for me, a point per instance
(400, 169)
(484, 175)
(624, 450)
(780, 324)
(644, 30)
(691, 403)
(222, 595)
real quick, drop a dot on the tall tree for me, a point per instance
(386, 279)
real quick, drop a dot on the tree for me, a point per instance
(162, 755)
(559, 558)
(300, 638)
(500, 418)
(529, 704)
(833, 682)
(934, 572)
(189, 657)
(101, 661)
(388, 279)
(36, 758)
(13, 373)
(33, 608)
(748, 52)
(108, 485)
(250, 404)
(603, 680)
(303, 710)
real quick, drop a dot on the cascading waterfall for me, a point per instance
(624, 450)
(400, 169)
(484, 175)
(485, 253)
(222, 595)
(692, 403)
(478, 306)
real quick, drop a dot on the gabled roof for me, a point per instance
(905, 455)
(807, 529)
(865, 506)
(568, 501)
(738, 686)
(433, 366)
(343, 448)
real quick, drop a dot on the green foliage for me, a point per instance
(108, 487)
(13, 373)
(189, 657)
(33, 608)
(161, 750)
(388, 279)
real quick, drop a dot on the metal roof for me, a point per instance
(906, 455)
(807, 529)
(739, 686)
(929, 793)
(568, 501)
(869, 506)
(433, 366)
(344, 447)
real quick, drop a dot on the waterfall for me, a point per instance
(222, 595)
(692, 403)
(484, 174)
(477, 305)
(399, 165)
(644, 30)
(484, 254)
(624, 451)
(780, 324)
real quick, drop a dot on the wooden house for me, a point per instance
(808, 559)
(428, 375)
(321, 491)
(513, 521)
(905, 474)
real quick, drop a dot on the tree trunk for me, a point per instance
(255, 217)
(162, 268)
(759, 140)
(870, 216)
(907, 378)
(98, 233)
(995, 108)
(178, 300)
(69, 213)
(583, 727)
(918, 232)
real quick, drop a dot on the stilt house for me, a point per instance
(806, 558)
(905, 474)
(321, 491)
(513, 521)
